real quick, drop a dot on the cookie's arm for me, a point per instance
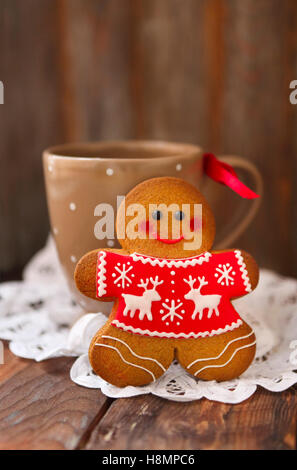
(252, 268)
(250, 263)
(85, 274)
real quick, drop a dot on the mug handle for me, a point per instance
(238, 162)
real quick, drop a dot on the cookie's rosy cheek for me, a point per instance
(195, 224)
(145, 226)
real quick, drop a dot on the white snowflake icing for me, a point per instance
(123, 279)
(225, 274)
(172, 314)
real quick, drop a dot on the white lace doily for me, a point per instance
(41, 321)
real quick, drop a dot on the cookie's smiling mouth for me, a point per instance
(169, 241)
(156, 236)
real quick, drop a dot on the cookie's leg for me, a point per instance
(123, 358)
(221, 357)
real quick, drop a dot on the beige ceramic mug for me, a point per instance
(80, 176)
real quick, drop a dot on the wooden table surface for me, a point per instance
(41, 408)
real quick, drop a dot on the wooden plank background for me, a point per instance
(40, 408)
(213, 72)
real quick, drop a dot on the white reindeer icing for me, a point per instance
(201, 301)
(143, 302)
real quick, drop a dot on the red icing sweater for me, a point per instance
(174, 298)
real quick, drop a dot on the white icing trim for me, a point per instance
(243, 269)
(124, 360)
(101, 274)
(134, 353)
(177, 335)
(223, 365)
(183, 262)
(225, 348)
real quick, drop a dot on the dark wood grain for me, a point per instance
(169, 62)
(215, 73)
(40, 408)
(29, 121)
(95, 62)
(257, 114)
(12, 365)
(291, 138)
(265, 421)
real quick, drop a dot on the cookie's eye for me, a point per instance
(179, 215)
(157, 215)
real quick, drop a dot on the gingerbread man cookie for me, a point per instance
(172, 297)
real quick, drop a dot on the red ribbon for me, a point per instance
(225, 174)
